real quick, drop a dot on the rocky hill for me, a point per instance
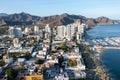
(19, 19)
(105, 20)
(55, 20)
(2, 22)
(67, 19)
(62, 19)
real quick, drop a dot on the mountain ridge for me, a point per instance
(54, 20)
(3, 14)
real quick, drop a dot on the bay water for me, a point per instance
(109, 57)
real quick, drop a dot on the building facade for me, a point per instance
(15, 32)
(70, 30)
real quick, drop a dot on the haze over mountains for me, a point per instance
(3, 14)
(54, 20)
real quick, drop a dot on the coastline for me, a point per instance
(103, 66)
(107, 68)
(98, 68)
(97, 53)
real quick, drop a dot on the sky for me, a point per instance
(88, 8)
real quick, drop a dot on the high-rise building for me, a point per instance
(81, 28)
(36, 30)
(61, 32)
(70, 30)
(47, 29)
(15, 32)
(16, 43)
(26, 30)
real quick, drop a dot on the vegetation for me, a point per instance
(14, 54)
(22, 78)
(39, 61)
(60, 60)
(71, 63)
(64, 47)
(53, 57)
(1, 40)
(2, 63)
(3, 30)
(92, 63)
(1, 56)
(41, 26)
(53, 51)
(11, 73)
(26, 55)
(31, 44)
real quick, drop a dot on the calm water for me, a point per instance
(105, 31)
(111, 60)
(110, 57)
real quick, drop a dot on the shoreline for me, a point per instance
(99, 61)
(103, 66)
(107, 69)
(99, 69)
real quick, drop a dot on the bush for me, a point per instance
(14, 54)
(2, 63)
(11, 73)
(60, 60)
(64, 47)
(71, 63)
(53, 57)
(26, 55)
(39, 61)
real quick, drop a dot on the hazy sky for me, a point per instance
(88, 8)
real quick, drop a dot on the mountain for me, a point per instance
(19, 19)
(62, 19)
(3, 14)
(54, 20)
(65, 19)
(104, 20)
(2, 22)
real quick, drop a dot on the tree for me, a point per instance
(11, 73)
(64, 47)
(2, 63)
(60, 60)
(53, 57)
(26, 55)
(71, 63)
(39, 61)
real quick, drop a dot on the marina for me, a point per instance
(105, 42)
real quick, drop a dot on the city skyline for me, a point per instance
(93, 8)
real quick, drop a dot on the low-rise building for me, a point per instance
(34, 77)
(62, 77)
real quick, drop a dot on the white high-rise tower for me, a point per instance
(36, 30)
(15, 32)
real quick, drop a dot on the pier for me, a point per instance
(107, 47)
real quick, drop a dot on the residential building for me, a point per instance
(61, 32)
(36, 30)
(62, 77)
(15, 32)
(47, 29)
(47, 32)
(70, 30)
(34, 77)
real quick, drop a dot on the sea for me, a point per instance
(109, 57)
